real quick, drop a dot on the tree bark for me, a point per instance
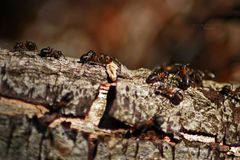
(54, 109)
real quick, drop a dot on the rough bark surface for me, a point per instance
(45, 102)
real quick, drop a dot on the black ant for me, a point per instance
(25, 46)
(49, 52)
(174, 97)
(233, 94)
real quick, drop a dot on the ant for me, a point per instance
(233, 94)
(27, 46)
(31, 46)
(93, 58)
(49, 52)
(113, 66)
(87, 57)
(173, 69)
(182, 73)
(198, 76)
(174, 97)
(149, 130)
(158, 74)
(185, 74)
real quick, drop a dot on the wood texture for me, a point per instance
(44, 103)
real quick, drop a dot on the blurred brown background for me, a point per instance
(139, 33)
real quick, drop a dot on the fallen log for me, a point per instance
(57, 108)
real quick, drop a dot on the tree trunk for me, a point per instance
(61, 109)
